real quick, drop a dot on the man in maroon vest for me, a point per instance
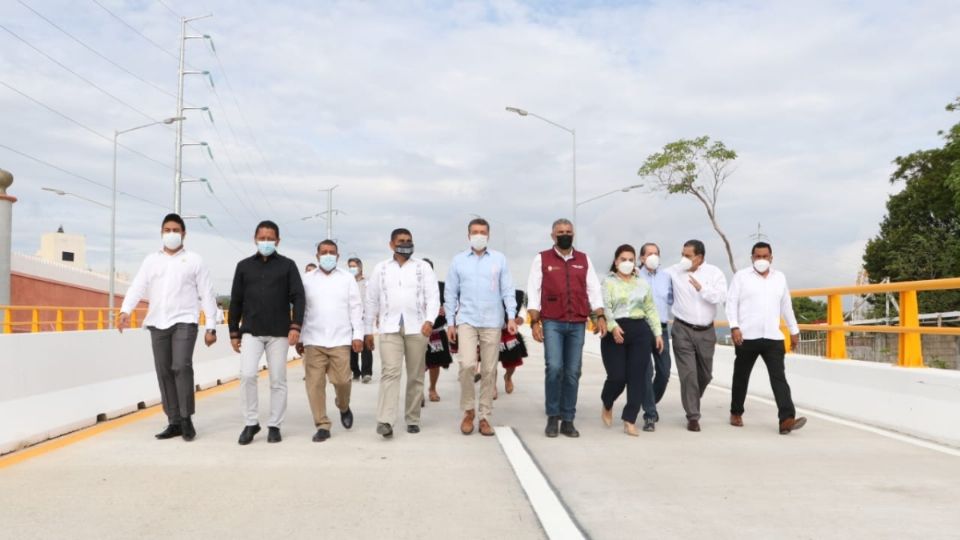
(563, 291)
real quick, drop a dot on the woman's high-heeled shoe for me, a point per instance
(607, 416)
(630, 429)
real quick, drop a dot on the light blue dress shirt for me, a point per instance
(477, 288)
(662, 287)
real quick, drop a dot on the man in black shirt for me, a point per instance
(265, 286)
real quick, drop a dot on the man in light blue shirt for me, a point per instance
(662, 287)
(478, 298)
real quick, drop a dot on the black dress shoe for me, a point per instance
(413, 429)
(246, 436)
(173, 430)
(186, 426)
(693, 425)
(273, 435)
(553, 423)
(321, 435)
(650, 424)
(346, 418)
(566, 427)
(385, 430)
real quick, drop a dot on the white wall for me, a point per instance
(54, 383)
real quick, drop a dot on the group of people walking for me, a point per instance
(330, 315)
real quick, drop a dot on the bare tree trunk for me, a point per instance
(726, 244)
(716, 227)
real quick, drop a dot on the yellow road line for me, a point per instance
(39, 449)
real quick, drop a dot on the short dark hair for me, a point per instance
(311, 264)
(267, 224)
(355, 260)
(697, 246)
(621, 249)
(398, 232)
(174, 218)
(643, 248)
(760, 245)
(478, 221)
(428, 261)
(328, 242)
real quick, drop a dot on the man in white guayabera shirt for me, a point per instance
(757, 298)
(404, 298)
(332, 329)
(177, 285)
(698, 288)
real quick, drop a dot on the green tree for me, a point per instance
(920, 235)
(694, 167)
(809, 311)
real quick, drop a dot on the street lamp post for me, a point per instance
(113, 208)
(573, 133)
(621, 190)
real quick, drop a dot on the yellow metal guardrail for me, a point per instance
(910, 348)
(33, 319)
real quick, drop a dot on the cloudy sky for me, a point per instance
(401, 104)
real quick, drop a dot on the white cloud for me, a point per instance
(401, 104)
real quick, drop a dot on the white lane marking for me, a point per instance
(929, 445)
(553, 516)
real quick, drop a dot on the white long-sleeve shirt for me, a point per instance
(697, 307)
(755, 304)
(177, 287)
(394, 292)
(334, 313)
(535, 283)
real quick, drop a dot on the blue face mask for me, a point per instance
(266, 248)
(327, 262)
(354, 271)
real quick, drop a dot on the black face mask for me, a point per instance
(404, 250)
(564, 241)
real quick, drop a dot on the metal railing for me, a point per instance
(910, 352)
(33, 319)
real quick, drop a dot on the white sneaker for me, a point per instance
(366, 379)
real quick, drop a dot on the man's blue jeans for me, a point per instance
(563, 349)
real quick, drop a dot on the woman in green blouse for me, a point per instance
(633, 329)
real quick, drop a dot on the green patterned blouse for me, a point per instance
(631, 299)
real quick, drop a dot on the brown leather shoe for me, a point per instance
(508, 384)
(693, 425)
(466, 427)
(486, 428)
(792, 424)
(736, 420)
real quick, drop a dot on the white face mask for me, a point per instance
(172, 240)
(478, 242)
(327, 262)
(685, 264)
(625, 267)
(354, 271)
(652, 262)
(761, 265)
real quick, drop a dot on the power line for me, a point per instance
(236, 141)
(77, 175)
(174, 13)
(96, 52)
(81, 77)
(84, 126)
(138, 32)
(243, 118)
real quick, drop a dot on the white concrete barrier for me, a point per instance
(920, 402)
(55, 383)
